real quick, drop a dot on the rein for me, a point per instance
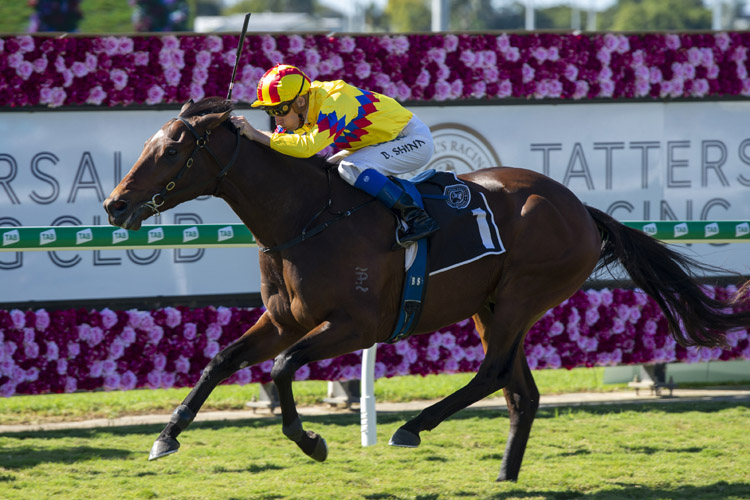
(201, 142)
(309, 233)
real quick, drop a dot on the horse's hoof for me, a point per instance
(163, 447)
(502, 478)
(320, 453)
(314, 446)
(405, 439)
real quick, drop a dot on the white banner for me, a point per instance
(634, 160)
(57, 168)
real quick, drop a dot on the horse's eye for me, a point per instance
(171, 151)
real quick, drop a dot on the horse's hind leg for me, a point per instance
(259, 343)
(508, 326)
(522, 397)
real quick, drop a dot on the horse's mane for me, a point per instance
(207, 105)
(220, 105)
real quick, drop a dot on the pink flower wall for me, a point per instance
(169, 69)
(77, 349)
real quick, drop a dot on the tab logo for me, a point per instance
(48, 236)
(190, 234)
(712, 229)
(650, 229)
(226, 233)
(84, 236)
(155, 234)
(119, 235)
(680, 230)
(11, 237)
(742, 230)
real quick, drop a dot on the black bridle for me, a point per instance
(201, 142)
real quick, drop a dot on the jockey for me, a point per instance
(376, 136)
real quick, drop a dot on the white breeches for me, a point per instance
(410, 150)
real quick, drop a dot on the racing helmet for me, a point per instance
(279, 87)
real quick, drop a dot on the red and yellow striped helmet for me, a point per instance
(280, 84)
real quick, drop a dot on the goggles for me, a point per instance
(279, 110)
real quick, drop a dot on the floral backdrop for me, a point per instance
(169, 69)
(78, 349)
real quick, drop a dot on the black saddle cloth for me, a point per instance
(468, 230)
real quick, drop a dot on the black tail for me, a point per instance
(670, 278)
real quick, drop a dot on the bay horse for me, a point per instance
(308, 275)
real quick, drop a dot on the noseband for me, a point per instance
(201, 142)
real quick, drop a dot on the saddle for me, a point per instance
(468, 232)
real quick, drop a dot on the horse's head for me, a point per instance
(162, 176)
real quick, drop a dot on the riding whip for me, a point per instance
(239, 52)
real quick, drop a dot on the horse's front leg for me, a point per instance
(261, 342)
(327, 340)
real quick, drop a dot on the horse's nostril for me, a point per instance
(116, 207)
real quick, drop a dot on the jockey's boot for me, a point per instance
(420, 225)
(390, 194)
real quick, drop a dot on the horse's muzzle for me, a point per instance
(121, 214)
(115, 208)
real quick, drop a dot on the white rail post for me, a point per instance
(530, 21)
(717, 15)
(440, 15)
(368, 414)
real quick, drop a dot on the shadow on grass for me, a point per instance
(623, 491)
(343, 420)
(23, 457)
(252, 469)
(651, 450)
(390, 496)
(716, 491)
(387, 418)
(609, 409)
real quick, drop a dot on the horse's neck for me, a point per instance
(273, 194)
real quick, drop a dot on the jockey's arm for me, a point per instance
(297, 145)
(301, 145)
(251, 132)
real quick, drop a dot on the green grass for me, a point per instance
(99, 16)
(80, 406)
(14, 16)
(660, 452)
(106, 16)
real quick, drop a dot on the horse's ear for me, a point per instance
(213, 120)
(186, 106)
